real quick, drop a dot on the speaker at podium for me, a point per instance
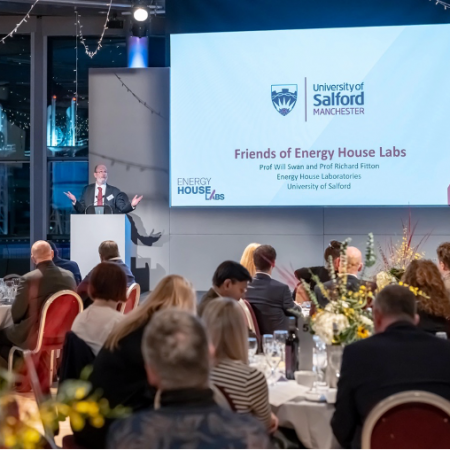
(88, 231)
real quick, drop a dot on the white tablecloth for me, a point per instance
(310, 420)
(5, 316)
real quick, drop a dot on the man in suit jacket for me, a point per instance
(399, 357)
(349, 268)
(229, 280)
(100, 193)
(66, 264)
(34, 289)
(270, 299)
(108, 251)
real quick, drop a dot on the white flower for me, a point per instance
(384, 279)
(366, 321)
(323, 325)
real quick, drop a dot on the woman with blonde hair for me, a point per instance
(433, 307)
(247, 258)
(244, 387)
(119, 370)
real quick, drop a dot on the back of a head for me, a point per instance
(173, 291)
(333, 250)
(227, 330)
(247, 258)
(108, 250)
(264, 258)
(443, 253)
(396, 302)
(230, 270)
(424, 275)
(41, 251)
(108, 282)
(175, 346)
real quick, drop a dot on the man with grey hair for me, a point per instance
(399, 357)
(177, 359)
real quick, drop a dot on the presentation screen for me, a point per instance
(323, 117)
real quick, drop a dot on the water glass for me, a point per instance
(306, 308)
(267, 341)
(319, 361)
(335, 359)
(252, 347)
(280, 337)
(9, 291)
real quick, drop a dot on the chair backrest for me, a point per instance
(412, 419)
(133, 295)
(255, 322)
(57, 317)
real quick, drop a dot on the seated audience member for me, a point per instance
(434, 309)
(176, 354)
(108, 251)
(399, 357)
(269, 298)
(34, 289)
(118, 369)
(333, 251)
(66, 264)
(243, 386)
(229, 280)
(350, 269)
(108, 285)
(443, 253)
(247, 258)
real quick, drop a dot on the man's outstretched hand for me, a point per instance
(71, 196)
(135, 200)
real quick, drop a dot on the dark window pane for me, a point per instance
(67, 117)
(15, 98)
(64, 176)
(14, 200)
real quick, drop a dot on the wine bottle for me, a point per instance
(291, 352)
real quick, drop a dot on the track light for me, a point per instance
(140, 14)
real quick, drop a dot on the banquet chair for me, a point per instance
(412, 419)
(56, 319)
(132, 302)
(255, 322)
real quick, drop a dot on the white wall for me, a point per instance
(194, 241)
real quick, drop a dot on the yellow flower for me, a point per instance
(80, 393)
(31, 436)
(10, 441)
(82, 407)
(97, 421)
(77, 421)
(362, 332)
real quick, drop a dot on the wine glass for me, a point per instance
(319, 361)
(252, 347)
(267, 341)
(280, 337)
(9, 288)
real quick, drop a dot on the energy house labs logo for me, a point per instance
(284, 97)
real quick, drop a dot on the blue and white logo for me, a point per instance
(284, 97)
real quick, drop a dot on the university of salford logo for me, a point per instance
(284, 97)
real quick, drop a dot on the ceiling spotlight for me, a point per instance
(140, 14)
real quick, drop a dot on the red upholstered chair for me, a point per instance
(133, 295)
(57, 316)
(255, 322)
(412, 419)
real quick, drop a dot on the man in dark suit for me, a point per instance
(270, 299)
(229, 280)
(66, 264)
(34, 289)
(100, 193)
(108, 251)
(399, 357)
(349, 268)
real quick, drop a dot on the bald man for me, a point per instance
(34, 289)
(349, 268)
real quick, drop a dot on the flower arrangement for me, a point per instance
(398, 256)
(345, 318)
(73, 400)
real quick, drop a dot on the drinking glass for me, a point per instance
(280, 337)
(319, 361)
(336, 359)
(9, 291)
(252, 347)
(306, 308)
(267, 343)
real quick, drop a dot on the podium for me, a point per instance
(88, 231)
